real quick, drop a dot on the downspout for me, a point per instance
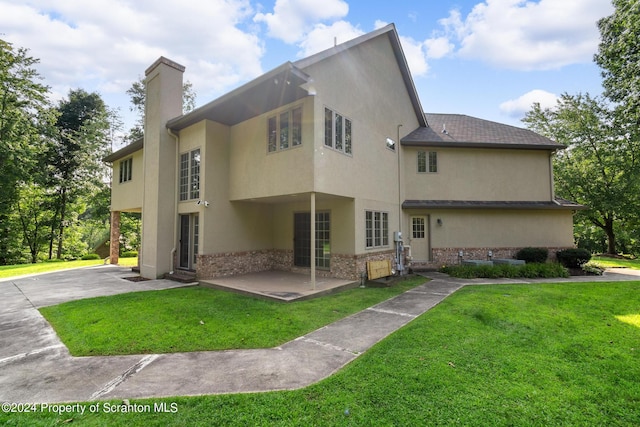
(551, 177)
(399, 183)
(175, 202)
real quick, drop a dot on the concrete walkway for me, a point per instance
(36, 367)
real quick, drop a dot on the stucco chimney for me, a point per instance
(163, 102)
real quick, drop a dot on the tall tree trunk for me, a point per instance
(611, 236)
(63, 208)
(4, 238)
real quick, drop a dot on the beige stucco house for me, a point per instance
(325, 163)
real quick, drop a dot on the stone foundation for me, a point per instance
(348, 267)
(449, 256)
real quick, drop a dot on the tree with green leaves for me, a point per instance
(599, 168)
(74, 156)
(619, 58)
(25, 117)
(137, 94)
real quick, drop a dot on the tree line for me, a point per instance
(55, 188)
(600, 166)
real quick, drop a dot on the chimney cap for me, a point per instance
(166, 61)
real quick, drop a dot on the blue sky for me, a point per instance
(490, 59)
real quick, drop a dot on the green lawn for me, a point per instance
(47, 267)
(499, 355)
(616, 262)
(198, 318)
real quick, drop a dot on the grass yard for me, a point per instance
(498, 355)
(198, 318)
(47, 267)
(616, 262)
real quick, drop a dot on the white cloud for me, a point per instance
(322, 37)
(98, 44)
(438, 47)
(418, 52)
(527, 35)
(521, 105)
(291, 19)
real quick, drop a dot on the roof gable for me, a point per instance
(459, 130)
(390, 32)
(288, 83)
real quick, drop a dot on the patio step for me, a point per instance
(181, 276)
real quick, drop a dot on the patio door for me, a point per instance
(302, 239)
(189, 231)
(420, 238)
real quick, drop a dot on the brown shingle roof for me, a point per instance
(459, 130)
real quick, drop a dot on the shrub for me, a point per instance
(529, 271)
(129, 254)
(90, 256)
(529, 255)
(54, 260)
(573, 258)
(593, 268)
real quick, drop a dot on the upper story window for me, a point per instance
(190, 175)
(284, 130)
(126, 167)
(337, 131)
(427, 162)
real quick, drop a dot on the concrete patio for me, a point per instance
(279, 285)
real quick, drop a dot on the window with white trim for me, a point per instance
(376, 229)
(427, 162)
(337, 131)
(190, 175)
(284, 130)
(126, 167)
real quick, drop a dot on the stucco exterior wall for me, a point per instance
(256, 173)
(127, 196)
(480, 174)
(364, 85)
(501, 228)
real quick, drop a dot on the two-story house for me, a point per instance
(323, 164)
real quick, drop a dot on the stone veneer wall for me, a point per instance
(233, 263)
(348, 267)
(448, 256)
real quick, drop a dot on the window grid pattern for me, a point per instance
(417, 228)
(323, 241)
(337, 132)
(196, 236)
(433, 161)
(194, 182)
(189, 177)
(126, 170)
(284, 130)
(184, 176)
(376, 229)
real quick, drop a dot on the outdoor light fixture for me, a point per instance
(439, 222)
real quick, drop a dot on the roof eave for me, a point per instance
(450, 144)
(203, 112)
(124, 151)
(502, 205)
